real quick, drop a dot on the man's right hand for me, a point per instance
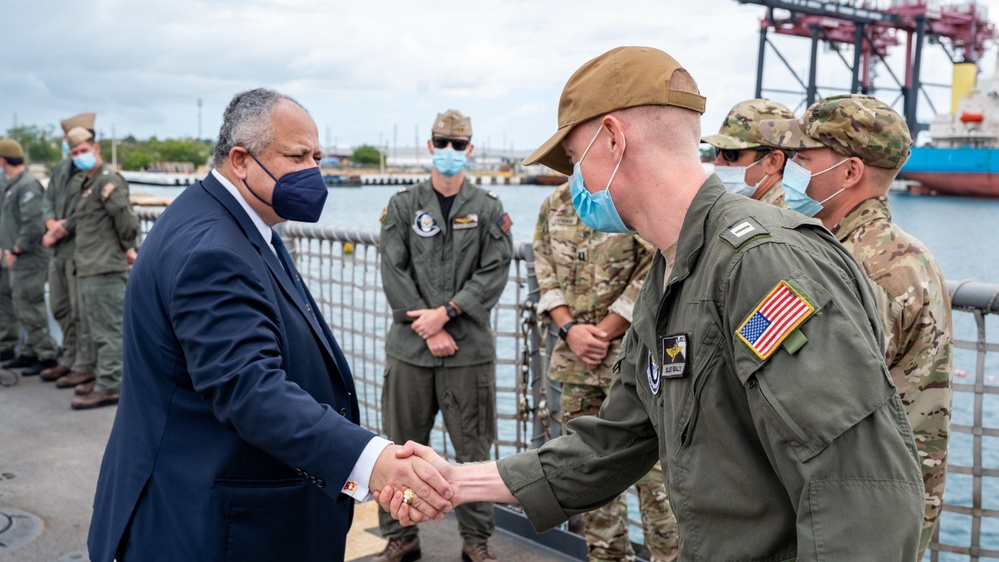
(589, 343)
(442, 344)
(400, 471)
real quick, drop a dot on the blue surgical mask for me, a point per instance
(297, 196)
(734, 178)
(449, 161)
(596, 210)
(85, 161)
(65, 148)
(796, 180)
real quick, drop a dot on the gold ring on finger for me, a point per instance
(408, 495)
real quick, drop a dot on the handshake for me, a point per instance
(428, 486)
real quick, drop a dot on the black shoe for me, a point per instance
(7, 355)
(20, 361)
(39, 366)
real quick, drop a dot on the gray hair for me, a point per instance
(247, 123)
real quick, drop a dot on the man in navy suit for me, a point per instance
(236, 436)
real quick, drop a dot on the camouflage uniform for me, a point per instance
(910, 290)
(593, 274)
(740, 131)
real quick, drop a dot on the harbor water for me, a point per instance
(957, 231)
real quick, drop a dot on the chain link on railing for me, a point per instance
(342, 270)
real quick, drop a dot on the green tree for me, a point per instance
(40, 144)
(186, 150)
(365, 154)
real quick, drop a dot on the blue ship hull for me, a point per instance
(954, 171)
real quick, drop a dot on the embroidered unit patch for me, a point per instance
(779, 314)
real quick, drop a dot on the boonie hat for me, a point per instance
(741, 128)
(618, 79)
(76, 135)
(452, 123)
(85, 120)
(10, 148)
(851, 125)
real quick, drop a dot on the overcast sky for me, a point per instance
(377, 72)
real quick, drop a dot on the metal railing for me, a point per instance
(342, 269)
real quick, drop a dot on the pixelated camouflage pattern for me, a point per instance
(851, 125)
(606, 528)
(741, 128)
(593, 273)
(915, 310)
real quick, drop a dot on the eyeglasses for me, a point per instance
(457, 144)
(733, 154)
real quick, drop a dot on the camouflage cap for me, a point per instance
(76, 135)
(851, 125)
(85, 120)
(10, 148)
(618, 79)
(741, 128)
(452, 123)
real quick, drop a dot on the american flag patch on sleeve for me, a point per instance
(504, 222)
(783, 310)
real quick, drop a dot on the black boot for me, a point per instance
(20, 361)
(39, 366)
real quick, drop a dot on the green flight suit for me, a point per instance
(428, 260)
(21, 226)
(106, 227)
(59, 203)
(790, 447)
(9, 332)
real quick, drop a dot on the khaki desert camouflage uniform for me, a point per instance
(915, 309)
(909, 288)
(741, 130)
(595, 273)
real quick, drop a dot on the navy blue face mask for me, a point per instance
(297, 196)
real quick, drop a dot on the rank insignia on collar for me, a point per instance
(774, 319)
(654, 374)
(674, 355)
(425, 225)
(470, 220)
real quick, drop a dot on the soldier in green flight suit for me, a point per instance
(106, 229)
(744, 165)
(589, 281)
(9, 332)
(76, 366)
(754, 371)
(849, 150)
(26, 260)
(446, 250)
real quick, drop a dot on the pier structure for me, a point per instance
(872, 28)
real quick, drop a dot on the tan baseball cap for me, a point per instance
(76, 135)
(452, 123)
(85, 120)
(618, 79)
(851, 125)
(741, 128)
(10, 148)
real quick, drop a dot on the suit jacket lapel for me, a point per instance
(219, 192)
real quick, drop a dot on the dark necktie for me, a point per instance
(289, 265)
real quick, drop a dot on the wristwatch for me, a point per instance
(452, 312)
(563, 330)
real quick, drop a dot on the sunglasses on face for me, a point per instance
(733, 154)
(457, 144)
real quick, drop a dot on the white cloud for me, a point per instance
(378, 72)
